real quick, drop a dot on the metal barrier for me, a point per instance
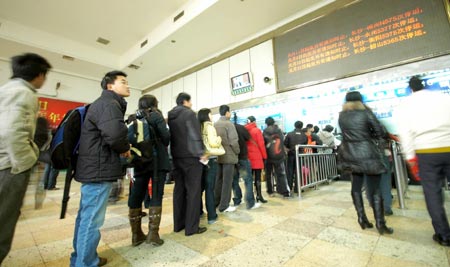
(314, 168)
(400, 172)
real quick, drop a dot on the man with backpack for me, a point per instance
(18, 152)
(274, 139)
(103, 142)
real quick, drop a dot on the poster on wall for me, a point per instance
(54, 110)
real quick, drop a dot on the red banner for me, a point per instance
(54, 109)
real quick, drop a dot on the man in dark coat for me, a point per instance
(293, 138)
(187, 151)
(103, 142)
(275, 163)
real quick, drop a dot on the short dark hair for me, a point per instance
(309, 126)
(298, 125)
(270, 121)
(29, 66)
(148, 102)
(223, 110)
(415, 83)
(182, 97)
(316, 129)
(251, 118)
(203, 115)
(110, 77)
(328, 128)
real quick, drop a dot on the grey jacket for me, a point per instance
(230, 141)
(18, 113)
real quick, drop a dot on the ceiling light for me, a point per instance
(68, 58)
(177, 17)
(102, 41)
(173, 41)
(144, 43)
(132, 66)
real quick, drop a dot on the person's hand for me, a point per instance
(204, 158)
(126, 154)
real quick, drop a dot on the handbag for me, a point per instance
(212, 151)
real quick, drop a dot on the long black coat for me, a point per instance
(361, 148)
(103, 138)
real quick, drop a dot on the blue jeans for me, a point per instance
(245, 171)
(208, 184)
(49, 176)
(91, 215)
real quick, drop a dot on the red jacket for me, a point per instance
(256, 148)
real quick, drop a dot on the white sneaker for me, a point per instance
(257, 205)
(230, 209)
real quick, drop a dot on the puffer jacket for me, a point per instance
(185, 136)
(209, 134)
(268, 133)
(104, 136)
(361, 149)
(256, 149)
(230, 141)
(327, 139)
(18, 113)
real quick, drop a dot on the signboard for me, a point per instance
(54, 110)
(361, 37)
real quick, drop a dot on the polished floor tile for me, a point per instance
(319, 229)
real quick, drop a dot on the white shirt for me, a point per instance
(423, 121)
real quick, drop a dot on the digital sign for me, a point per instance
(362, 37)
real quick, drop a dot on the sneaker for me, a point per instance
(212, 221)
(257, 205)
(230, 209)
(238, 204)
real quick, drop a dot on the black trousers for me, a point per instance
(433, 168)
(280, 175)
(139, 190)
(372, 183)
(187, 174)
(291, 172)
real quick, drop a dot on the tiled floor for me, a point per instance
(319, 230)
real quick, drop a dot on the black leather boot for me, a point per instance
(359, 207)
(259, 197)
(154, 219)
(378, 212)
(137, 236)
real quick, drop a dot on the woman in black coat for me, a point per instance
(361, 154)
(149, 174)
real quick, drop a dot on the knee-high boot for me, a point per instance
(359, 207)
(378, 212)
(259, 197)
(154, 220)
(137, 236)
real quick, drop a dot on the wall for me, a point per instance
(210, 87)
(73, 88)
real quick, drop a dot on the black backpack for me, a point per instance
(274, 147)
(143, 140)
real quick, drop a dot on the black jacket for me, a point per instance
(185, 136)
(243, 136)
(296, 137)
(361, 149)
(156, 120)
(103, 138)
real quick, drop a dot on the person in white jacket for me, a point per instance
(18, 152)
(423, 121)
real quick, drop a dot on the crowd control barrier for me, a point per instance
(315, 166)
(400, 173)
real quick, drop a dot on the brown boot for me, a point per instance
(137, 236)
(154, 219)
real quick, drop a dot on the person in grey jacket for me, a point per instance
(230, 141)
(18, 152)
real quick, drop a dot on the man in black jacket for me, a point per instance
(292, 139)
(103, 142)
(187, 151)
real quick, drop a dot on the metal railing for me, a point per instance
(400, 173)
(314, 168)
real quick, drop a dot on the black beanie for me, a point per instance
(353, 96)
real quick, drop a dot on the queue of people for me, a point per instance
(206, 157)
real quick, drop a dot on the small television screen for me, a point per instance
(241, 81)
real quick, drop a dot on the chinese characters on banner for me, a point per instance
(54, 110)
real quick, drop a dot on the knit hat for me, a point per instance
(353, 96)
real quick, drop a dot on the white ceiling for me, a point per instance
(207, 29)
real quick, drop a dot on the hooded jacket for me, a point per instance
(185, 136)
(230, 141)
(104, 136)
(361, 150)
(18, 113)
(256, 148)
(267, 133)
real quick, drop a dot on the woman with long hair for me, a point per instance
(149, 179)
(209, 135)
(361, 154)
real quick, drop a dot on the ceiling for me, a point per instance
(207, 29)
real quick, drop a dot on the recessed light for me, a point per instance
(177, 17)
(173, 41)
(68, 58)
(102, 41)
(132, 66)
(144, 43)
